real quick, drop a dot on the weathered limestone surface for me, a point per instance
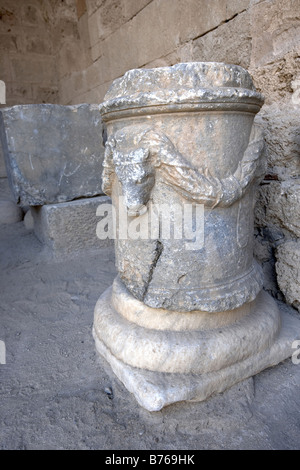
(274, 67)
(69, 228)
(2, 92)
(31, 35)
(282, 137)
(183, 321)
(288, 271)
(279, 206)
(221, 43)
(53, 153)
(277, 211)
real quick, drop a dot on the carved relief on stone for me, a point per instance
(145, 164)
(155, 153)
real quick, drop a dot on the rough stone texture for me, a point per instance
(275, 55)
(2, 92)
(183, 347)
(277, 214)
(275, 29)
(31, 34)
(220, 45)
(277, 221)
(53, 153)
(282, 138)
(85, 47)
(288, 271)
(159, 34)
(279, 207)
(275, 80)
(70, 227)
(275, 59)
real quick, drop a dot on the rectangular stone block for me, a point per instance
(275, 31)
(70, 227)
(53, 153)
(36, 69)
(131, 8)
(219, 45)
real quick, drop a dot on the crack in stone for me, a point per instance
(158, 251)
(220, 24)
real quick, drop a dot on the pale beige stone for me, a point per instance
(275, 30)
(288, 271)
(278, 206)
(233, 7)
(275, 80)
(282, 138)
(53, 153)
(39, 69)
(81, 8)
(131, 8)
(220, 45)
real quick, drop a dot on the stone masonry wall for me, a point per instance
(28, 47)
(31, 35)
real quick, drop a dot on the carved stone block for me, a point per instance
(53, 153)
(186, 316)
(69, 227)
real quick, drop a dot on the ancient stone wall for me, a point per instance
(118, 35)
(27, 51)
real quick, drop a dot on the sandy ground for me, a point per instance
(56, 393)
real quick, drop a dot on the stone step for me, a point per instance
(70, 227)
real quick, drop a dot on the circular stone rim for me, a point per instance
(181, 86)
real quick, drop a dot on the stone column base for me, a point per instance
(164, 356)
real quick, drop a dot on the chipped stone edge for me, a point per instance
(155, 390)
